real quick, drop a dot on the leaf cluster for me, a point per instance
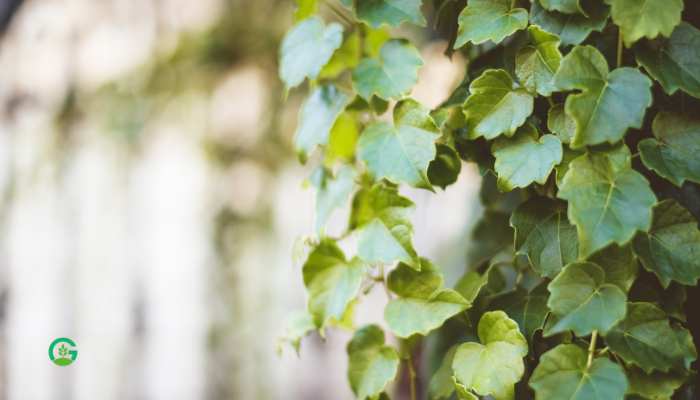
(580, 116)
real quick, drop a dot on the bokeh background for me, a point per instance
(151, 205)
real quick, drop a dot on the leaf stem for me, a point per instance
(619, 48)
(591, 349)
(411, 376)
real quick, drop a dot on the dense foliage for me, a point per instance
(582, 116)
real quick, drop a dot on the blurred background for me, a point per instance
(151, 204)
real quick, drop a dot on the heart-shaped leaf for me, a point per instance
(608, 200)
(331, 281)
(527, 308)
(525, 158)
(671, 248)
(563, 374)
(645, 338)
(673, 151)
(495, 107)
(609, 102)
(306, 48)
(536, 63)
(390, 75)
(318, 115)
(645, 18)
(372, 364)
(675, 62)
(583, 301)
(493, 366)
(492, 20)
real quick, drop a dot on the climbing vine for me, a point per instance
(583, 118)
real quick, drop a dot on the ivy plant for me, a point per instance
(582, 117)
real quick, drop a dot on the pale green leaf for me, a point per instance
(400, 153)
(562, 374)
(318, 115)
(492, 20)
(673, 152)
(608, 200)
(342, 140)
(671, 248)
(391, 75)
(299, 324)
(609, 102)
(306, 48)
(536, 63)
(571, 28)
(647, 339)
(525, 158)
(495, 106)
(346, 57)
(674, 62)
(493, 366)
(390, 12)
(381, 216)
(645, 18)
(305, 9)
(583, 301)
(423, 305)
(331, 281)
(372, 364)
(331, 192)
(544, 234)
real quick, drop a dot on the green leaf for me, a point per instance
(653, 386)
(536, 63)
(673, 153)
(372, 364)
(299, 324)
(305, 9)
(318, 115)
(495, 365)
(608, 200)
(563, 6)
(492, 20)
(544, 234)
(571, 28)
(494, 106)
(561, 124)
(331, 192)
(422, 305)
(445, 168)
(671, 248)
(391, 75)
(674, 62)
(609, 102)
(645, 338)
(342, 140)
(441, 384)
(331, 281)
(400, 153)
(381, 216)
(619, 264)
(390, 12)
(525, 158)
(645, 18)
(562, 374)
(306, 48)
(346, 57)
(583, 301)
(528, 309)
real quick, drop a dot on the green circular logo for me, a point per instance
(62, 352)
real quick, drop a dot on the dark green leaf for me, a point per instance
(571, 28)
(492, 20)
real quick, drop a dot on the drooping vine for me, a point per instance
(583, 118)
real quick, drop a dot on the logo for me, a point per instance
(62, 352)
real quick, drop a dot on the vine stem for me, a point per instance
(619, 48)
(411, 376)
(591, 349)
